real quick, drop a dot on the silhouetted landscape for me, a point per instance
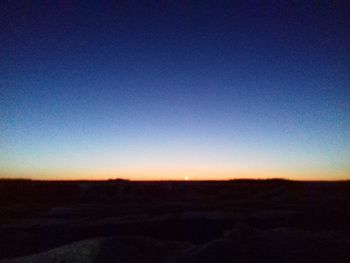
(179, 99)
(176, 221)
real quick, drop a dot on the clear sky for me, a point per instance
(169, 89)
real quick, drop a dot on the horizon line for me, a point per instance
(173, 180)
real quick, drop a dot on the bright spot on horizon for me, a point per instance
(186, 178)
(212, 92)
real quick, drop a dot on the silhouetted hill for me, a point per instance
(240, 219)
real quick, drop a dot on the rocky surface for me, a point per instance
(109, 249)
(121, 221)
(242, 244)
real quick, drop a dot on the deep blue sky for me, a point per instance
(174, 86)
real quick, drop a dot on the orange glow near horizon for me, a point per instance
(169, 93)
(178, 174)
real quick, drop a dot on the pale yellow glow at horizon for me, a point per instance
(178, 174)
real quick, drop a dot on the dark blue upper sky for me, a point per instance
(95, 85)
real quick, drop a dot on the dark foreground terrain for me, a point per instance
(122, 221)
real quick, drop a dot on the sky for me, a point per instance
(163, 90)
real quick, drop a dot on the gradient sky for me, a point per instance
(168, 89)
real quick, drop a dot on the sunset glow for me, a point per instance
(175, 93)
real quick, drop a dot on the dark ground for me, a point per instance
(122, 221)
